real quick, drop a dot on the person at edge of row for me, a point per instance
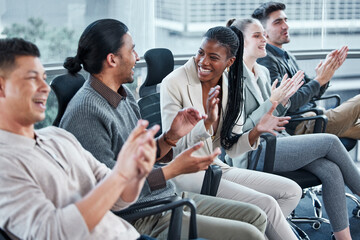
(107, 107)
(204, 84)
(50, 186)
(343, 121)
(325, 156)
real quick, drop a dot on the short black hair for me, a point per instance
(10, 48)
(264, 10)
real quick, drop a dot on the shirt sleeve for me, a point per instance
(242, 145)
(100, 170)
(26, 212)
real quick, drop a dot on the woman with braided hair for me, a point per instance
(204, 84)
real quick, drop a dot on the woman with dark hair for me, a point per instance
(203, 83)
(324, 155)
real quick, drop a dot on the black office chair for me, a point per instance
(174, 203)
(150, 110)
(320, 127)
(160, 62)
(332, 101)
(306, 181)
(348, 143)
(65, 86)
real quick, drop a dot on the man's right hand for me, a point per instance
(186, 163)
(325, 70)
(287, 88)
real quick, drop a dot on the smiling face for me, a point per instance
(277, 28)
(211, 61)
(254, 41)
(24, 91)
(127, 58)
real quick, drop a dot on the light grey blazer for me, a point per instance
(254, 108)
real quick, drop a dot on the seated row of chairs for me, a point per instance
(160, 62)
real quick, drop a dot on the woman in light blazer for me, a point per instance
(198, 84)
(315, 153)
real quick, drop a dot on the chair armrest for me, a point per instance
(317, 111)
(174, 203)
(320, 122)
(270, 152)
(211, 180)
(336, 96)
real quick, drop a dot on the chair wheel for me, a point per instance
(356, 212)
(316, 225)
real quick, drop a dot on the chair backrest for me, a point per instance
(150, 110)
(65, 86)
(160, 62)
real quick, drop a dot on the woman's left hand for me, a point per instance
(183, 123)
(269, 123)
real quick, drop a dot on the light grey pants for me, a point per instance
(326, 157)
(216, 219)
(276, 196)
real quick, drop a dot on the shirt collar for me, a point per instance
(112, 97)
(281, 52)
(9, 138)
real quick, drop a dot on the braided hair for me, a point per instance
(231, 38)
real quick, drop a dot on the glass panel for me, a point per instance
(314, 24)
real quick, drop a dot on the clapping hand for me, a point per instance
(187, 163)
(137, 156)
(287, 88)
(325, 70)
(212, 106)
(271, 124)
(183, 123)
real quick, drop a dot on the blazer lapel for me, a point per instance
(249, 86)
(195, 93)
(194, 86)
(263, 82)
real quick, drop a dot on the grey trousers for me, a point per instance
(216, 219)
(326, 157)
